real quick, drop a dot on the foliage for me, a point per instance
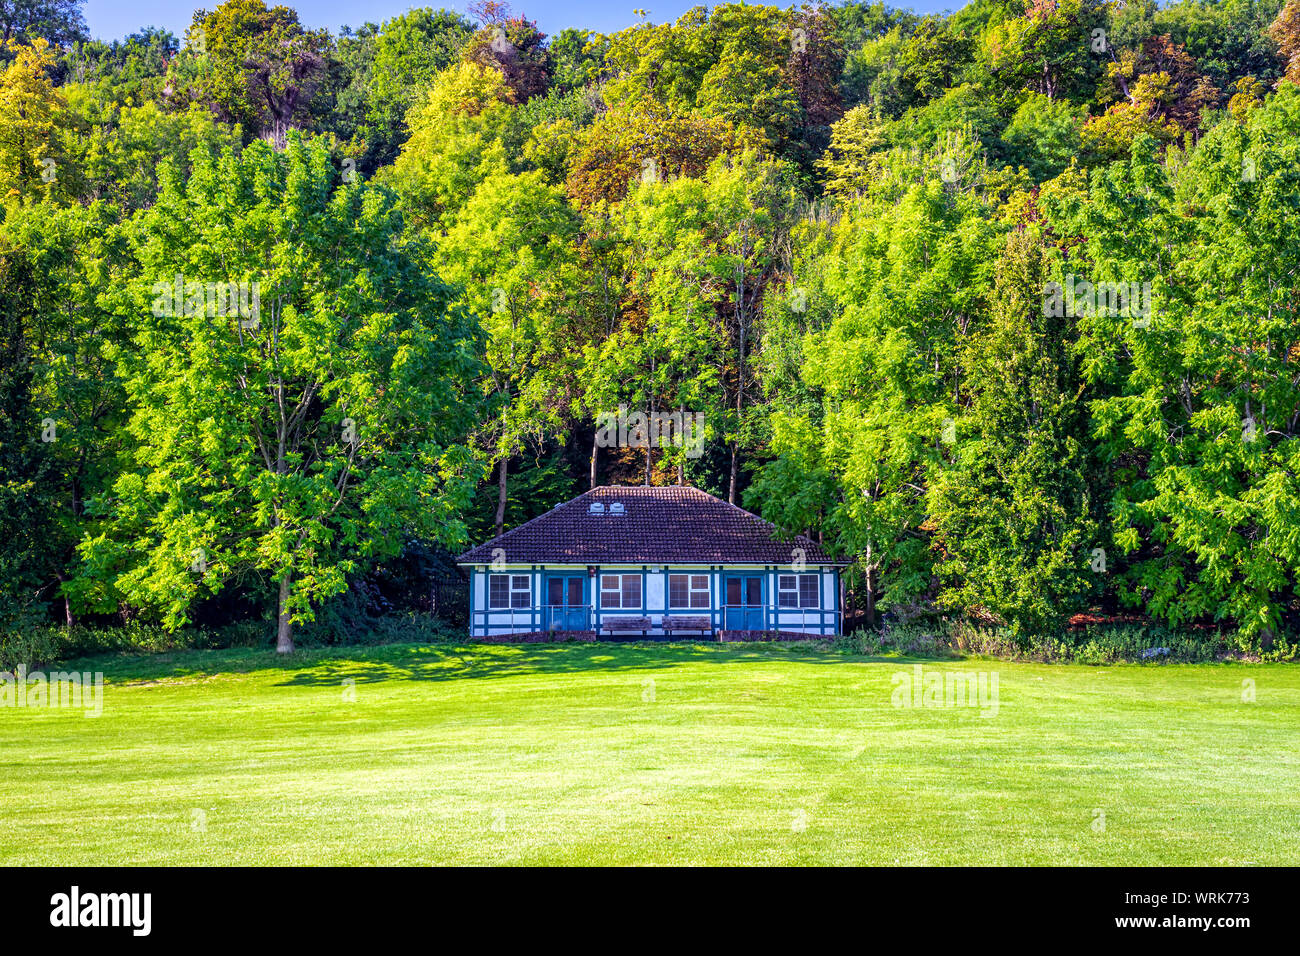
(384, 72)
(308, 437)
(255, 66)
(825, 229)
(58, 21)
(455, 143)
(514, 47)
(625, 145)
(1285, 32)
(31, 114)
(1012, 517)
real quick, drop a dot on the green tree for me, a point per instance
(57, 21)
(511, 250)
(119, 160)
(750, 82)
(849, 164)
(578, 58)
(934, 58)
(71, 258)
(255, 65)
(26, 501)
(302, 435)
(1044, 136)
(905, 283)
(455, 144)
(1012, 524)
(704, 252)
(1053, 49)
(410, 51)
(1197, 407)
(32, 114)
(387, 71)
(1228, 38)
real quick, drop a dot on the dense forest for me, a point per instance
(999, 305)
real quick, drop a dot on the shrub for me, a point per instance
(1105, 644)
(42, 646)
(29, 647)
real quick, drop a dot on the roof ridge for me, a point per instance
(568, 531)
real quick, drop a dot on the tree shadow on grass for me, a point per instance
(447, 662)
(491, 661)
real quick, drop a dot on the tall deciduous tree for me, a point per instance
(455, 144)
(58, 21)
(32, 112)
(907, 282)
(511, 251)
(1198, 406)
(73, 257)
(1012, 518)
(704, 253)
(26, 499)
(255, 65)
(301, 435)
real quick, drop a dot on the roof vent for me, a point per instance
(595, 508)
(616, 508)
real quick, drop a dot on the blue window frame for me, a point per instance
(509, 592)
(620, 592)
(797, 591)
(689, 591)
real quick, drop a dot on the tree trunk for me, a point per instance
(595, 453)
(681, 457)
(68, 618)
(871, 591)
(731, 490)
(501, 495)
(649, 442)
(284, 627)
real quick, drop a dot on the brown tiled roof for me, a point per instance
(667, 525)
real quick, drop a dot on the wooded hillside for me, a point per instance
(1000, 306)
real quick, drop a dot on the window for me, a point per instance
(509, 590)
(620, 590)
(688, 590)
(745, 591)
(796, 590)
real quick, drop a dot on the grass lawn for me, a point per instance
(649, 754)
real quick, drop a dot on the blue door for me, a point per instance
(566, 602)
(744, 602)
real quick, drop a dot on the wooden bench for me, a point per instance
(683, 622)
(625, 625)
